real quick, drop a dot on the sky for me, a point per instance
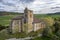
(38, 6)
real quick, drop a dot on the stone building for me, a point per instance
(26, 23)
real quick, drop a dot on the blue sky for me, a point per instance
(38, 6)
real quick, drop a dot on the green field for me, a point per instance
(45, 15)
(5, 20)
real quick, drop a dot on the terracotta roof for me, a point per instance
(17, 18)
(35, 20)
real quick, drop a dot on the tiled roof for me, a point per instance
(17, 18)
(35, 20)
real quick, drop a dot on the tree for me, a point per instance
(2, 27)
(57, 26)
(48, 20)
(47, 32)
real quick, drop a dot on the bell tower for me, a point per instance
(28, 14)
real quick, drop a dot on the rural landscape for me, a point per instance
(29, 19)
(51, 32)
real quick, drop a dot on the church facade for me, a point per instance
(26, 23)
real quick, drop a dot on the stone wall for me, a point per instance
(38, 26)
(16, 26)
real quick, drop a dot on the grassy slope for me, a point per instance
(40, 38)
(44, 15)
(5, 20)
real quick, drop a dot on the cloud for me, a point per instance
(36, 5)
(26, 1)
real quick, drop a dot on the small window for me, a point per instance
(25, 21)
(25, 15)
(30, 15)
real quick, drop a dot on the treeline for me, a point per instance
(57, 13)
(9, 13)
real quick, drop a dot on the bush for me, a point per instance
(19, 35)
(2, 27)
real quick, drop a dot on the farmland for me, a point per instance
(5, 20)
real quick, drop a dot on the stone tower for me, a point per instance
(28, 14)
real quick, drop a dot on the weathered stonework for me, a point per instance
(26, 23)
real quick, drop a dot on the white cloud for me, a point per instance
(36, 5)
